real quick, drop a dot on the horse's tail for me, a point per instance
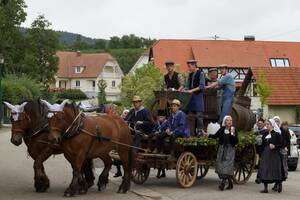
(89, 173)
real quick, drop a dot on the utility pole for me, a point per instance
(215, 37)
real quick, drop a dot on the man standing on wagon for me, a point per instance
(196, 86)
(227, 84)
(172, 80)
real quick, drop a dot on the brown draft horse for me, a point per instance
(30, 123)
(83, 137)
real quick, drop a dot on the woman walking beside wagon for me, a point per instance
(270, 168)
(226, 152)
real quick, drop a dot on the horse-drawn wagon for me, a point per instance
(194, 156)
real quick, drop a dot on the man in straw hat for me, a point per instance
(177, 125)
(227, 84)
(139, 117)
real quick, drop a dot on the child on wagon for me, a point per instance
(177, 126)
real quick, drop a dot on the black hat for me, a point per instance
(191, 61)
(161, 113)
(213, 69)
(169, 63)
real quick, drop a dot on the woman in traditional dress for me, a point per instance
(226, 152)
(270, 168)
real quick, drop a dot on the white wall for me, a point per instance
(140, 63)
(286, 113)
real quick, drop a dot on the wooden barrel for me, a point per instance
(243, 118)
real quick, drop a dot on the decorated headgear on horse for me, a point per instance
(54, 107)
(15, 109)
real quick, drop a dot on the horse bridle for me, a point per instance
(18, 130)
(63, 133)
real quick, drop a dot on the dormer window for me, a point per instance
(78, 69)
(279, 62)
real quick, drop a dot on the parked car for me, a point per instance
(87, 107)
(294, 154)
(296, 129)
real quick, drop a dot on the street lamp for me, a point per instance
(1, 95)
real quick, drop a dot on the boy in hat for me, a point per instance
(196, 86)
(172, 80)
(139, 117)
(158, 130)
(177, 126)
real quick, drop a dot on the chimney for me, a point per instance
(249, 38)
(78, 53)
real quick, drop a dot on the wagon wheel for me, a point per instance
(202, 171)
(140, 175)
(244, 164)
(186, 169)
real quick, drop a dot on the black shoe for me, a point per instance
(264, 191)
(275, 188)
(118, 174)
(222, 185)
(279, 189)
(230, 184)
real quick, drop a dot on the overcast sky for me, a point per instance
(184, 19)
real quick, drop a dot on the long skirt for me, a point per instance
(225, 161)
(284, 155)
(270, 168)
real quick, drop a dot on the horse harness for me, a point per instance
(74, 130)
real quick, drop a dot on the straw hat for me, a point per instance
(176, 101)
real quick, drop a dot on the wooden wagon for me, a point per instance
(194, 156)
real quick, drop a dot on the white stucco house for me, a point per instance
(83, 71)
(143, 60)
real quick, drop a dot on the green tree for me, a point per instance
(263, 89)
(143, 82)
(41, 59)
(100, 44)
(114, 43)
(101, 92)
(12, 14)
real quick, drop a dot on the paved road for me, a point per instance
(16, 182)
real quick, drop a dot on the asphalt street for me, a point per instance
(16, 181)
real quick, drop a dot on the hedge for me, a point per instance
(71, 94)
(17, 89)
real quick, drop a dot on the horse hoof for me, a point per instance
(101, 187)
(41, 184)
(82, 191)
(69, 193)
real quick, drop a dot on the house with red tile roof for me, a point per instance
(280, 62)
(83, 71)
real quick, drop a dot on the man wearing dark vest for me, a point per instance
(196, 86)
(172, 80)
